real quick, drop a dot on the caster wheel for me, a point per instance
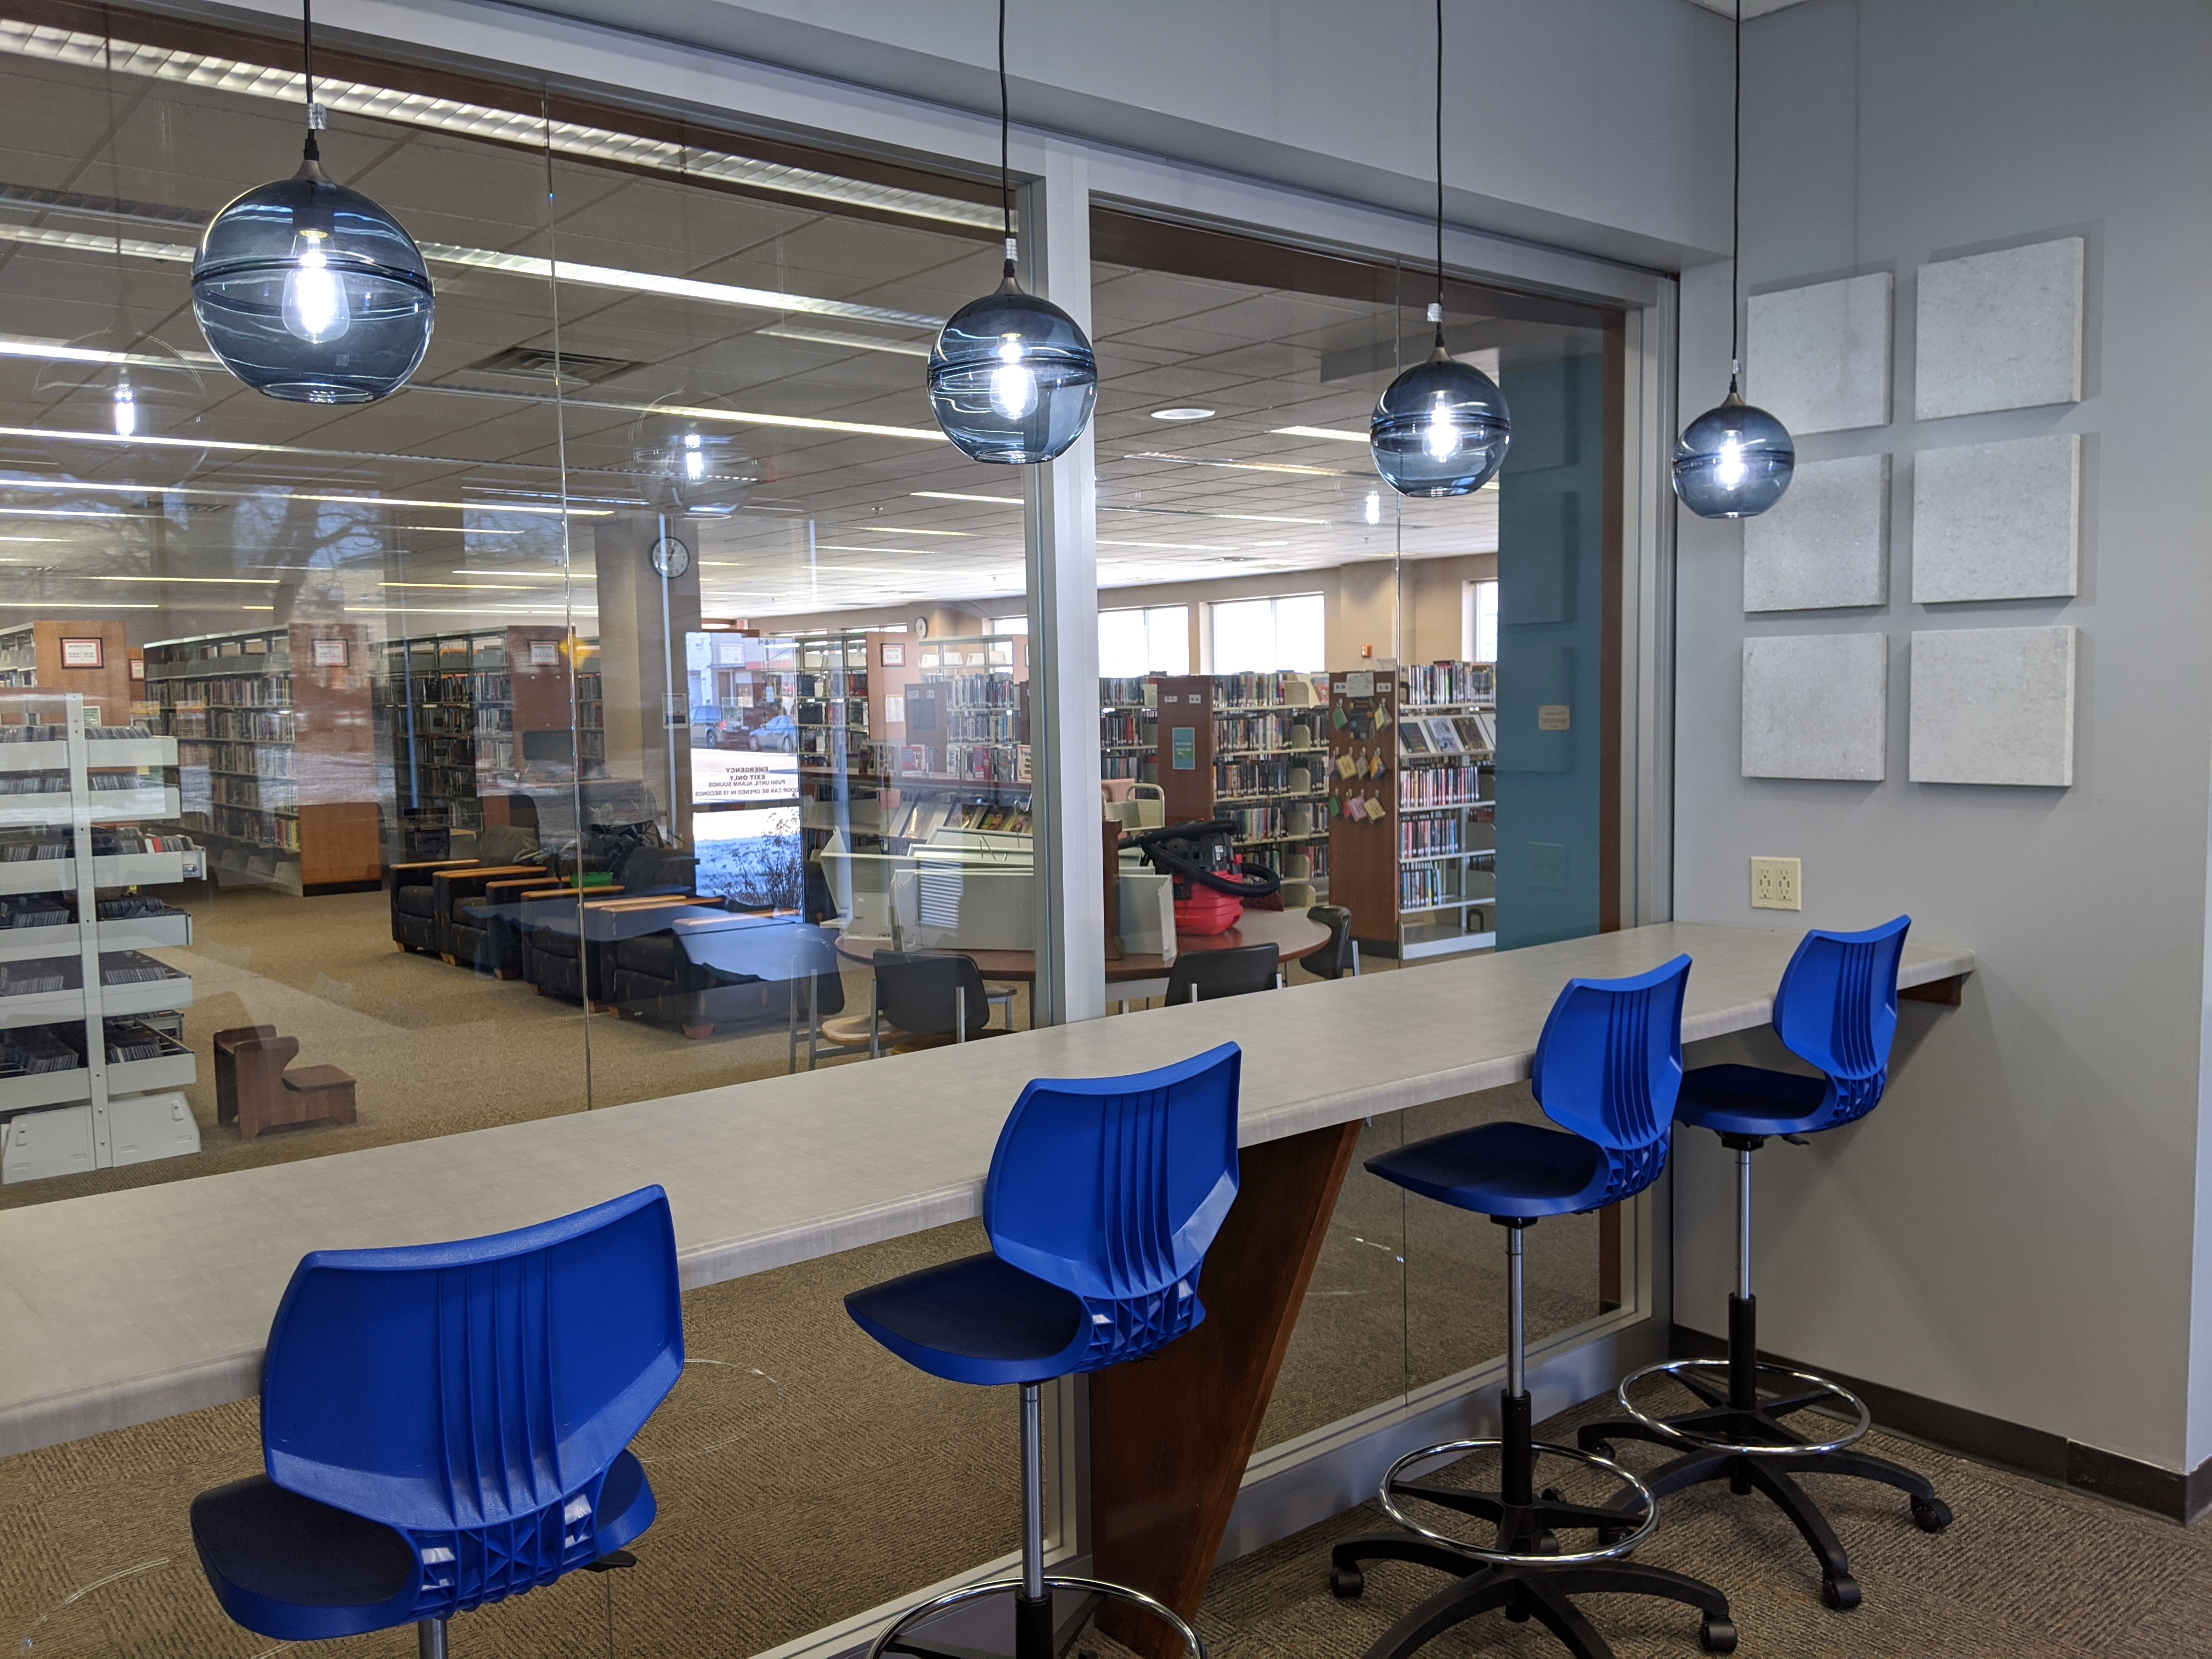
(1603, 1449)
(1608, 1536)
(1345, 1582)
(1842, 1593)
(1517, 1615)
(1553, 1495)
(1547, 1542)
(1716, 1635)
(1930, 1514)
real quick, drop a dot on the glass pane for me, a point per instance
(308, 628)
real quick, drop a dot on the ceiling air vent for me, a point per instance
(534, 363)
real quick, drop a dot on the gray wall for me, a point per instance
(1573, 122)
(2013, 1232)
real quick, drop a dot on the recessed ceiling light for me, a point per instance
(1188, 412)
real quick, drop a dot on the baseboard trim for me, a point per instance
(2167, 1494)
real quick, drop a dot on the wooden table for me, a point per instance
(1293, 935)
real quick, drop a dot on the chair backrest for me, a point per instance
(1235, 972)
(1113, 1188)
(1608, 1068)
(506, 843)
(914, 991)
(483, 1386)
(1334, 957)
(1837, 1008)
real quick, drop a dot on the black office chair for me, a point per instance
(1341, 954)
(930, 996)
(1202, 975)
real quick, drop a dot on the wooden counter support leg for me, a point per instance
(1944, 993)
(1171, 1436)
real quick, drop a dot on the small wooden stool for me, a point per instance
(268, 1095)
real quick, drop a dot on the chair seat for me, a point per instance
(306, 1079)
(1513, 1170)
(288, 1567)
(1750, 1100)
(416, 900)
(976, 1319)
(298, 1570)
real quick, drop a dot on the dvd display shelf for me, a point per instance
(1413, 815)
(1253, 748)
(91, 1061)
(276, 751)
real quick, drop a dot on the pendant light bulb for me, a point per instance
(1441, 427)
(1734, 461)
(126, 407)
(1012, 378)
(310, 292)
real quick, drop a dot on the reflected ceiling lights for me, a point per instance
(1441, 427)
(1733, 462)
(1012, 378)
(309, 292)
(1190, 413)
(1337, 433)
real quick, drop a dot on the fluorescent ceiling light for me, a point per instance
(60, 351)
(836, 337)
(93, 51)
(240, 495)
(82, 604)
(237, 581)
(896, 529)
(544, 576)
(1238, 466)
(513, 264)
(1189, 512)
(69, 512)
(954, 495)
(1338, 433)
(466, 587)
(1187, 413)
(1169, 547)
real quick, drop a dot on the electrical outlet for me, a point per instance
(1774, 884)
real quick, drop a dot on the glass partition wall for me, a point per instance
(580, 724)
(1336, 710)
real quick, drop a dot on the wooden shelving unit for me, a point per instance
(1252, 747)
(1128, 729)
(1412, 811)
(91, 1050)
(90, 658)
(276, 751)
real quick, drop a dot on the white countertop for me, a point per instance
(130, 1306)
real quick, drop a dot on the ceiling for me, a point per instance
(795, 313)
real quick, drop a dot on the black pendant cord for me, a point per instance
(1736, 210)
(1005, 169)
(1440, 174)
(308, 66)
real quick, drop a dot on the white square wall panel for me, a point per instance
(1820, 355)
(1825, 542)
(1999, 330)
(1993, 705)
(1816, 706)
(1997, 521)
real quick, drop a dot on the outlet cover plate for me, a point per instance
(1776, 884)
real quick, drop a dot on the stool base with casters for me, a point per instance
(1525, 1573)
(1743, 1434)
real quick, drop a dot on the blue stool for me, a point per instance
(444, 1425)
(1103, 1196)
(1606, 1070)
(1835, 1009)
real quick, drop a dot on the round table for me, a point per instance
(1290, 932)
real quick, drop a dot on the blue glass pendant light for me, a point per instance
(1733, 462)
(308, 291)
(1012, 378)
(1441, 427)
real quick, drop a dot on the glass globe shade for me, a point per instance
(1733, 462)
(1440, 428)
(310, 292)
(1012, 379)
(687, 466)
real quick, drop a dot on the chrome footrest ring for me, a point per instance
(1660, 1426)
(1640, 1530)
(1136, 1598)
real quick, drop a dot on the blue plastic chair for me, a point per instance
(1608, 1069)
(445, 1425)
(1103, 1197)
(1835, 1009)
